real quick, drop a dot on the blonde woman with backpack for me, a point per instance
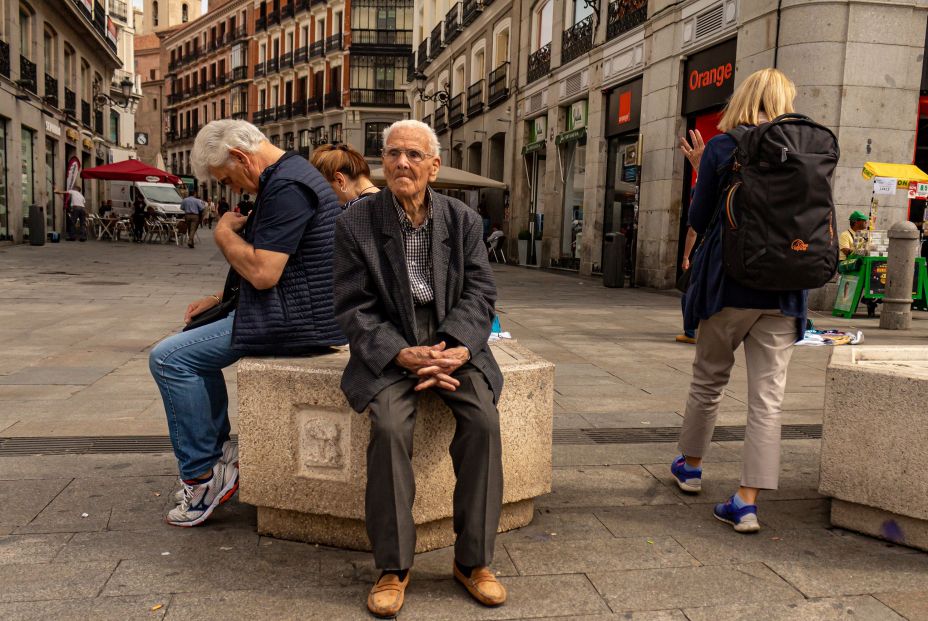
(730, 314)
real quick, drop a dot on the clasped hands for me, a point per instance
(434, 364)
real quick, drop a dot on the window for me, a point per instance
(542, 23)
(262, 104)
(85, 86)
(25, 32)
(477, 66)
(289, 44)
(262, 53)
(152, 74)
(154, 14)
(304, 36)
(183, 14)
(276, 48)
(377, 72)
(577, 11)
(373, 138)
(70, 67)
(114, 127)
(274, 96)
(51, 52)
(154, 102)
(335, 133)
(501, 46)
(222, 108)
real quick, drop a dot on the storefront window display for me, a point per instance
(28, 169)
(571, 152)
(533, 157)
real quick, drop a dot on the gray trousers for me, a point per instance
(768, 339)
(476, 454)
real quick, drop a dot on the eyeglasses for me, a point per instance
(413, 155)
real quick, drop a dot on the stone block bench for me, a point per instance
(875, 442)
(302, 449)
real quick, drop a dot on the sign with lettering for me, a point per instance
(884, 185)
(709, 77)
(623, 109)
(921, 190)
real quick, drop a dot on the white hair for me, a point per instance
(434, 145)
(211, 147)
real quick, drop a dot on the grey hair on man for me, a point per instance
(213, 142)
(434, 145)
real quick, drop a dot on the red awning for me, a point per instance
(130, 170)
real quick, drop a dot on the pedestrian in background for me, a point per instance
(208, 212)
(138, 218)
(224, 207)
(193, 212)
(728, 314)
(77, 213)
(346, 170)
(245, 205)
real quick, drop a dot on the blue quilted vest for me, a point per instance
(296, 316)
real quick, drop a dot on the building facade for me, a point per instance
(330, 71)
(606, 91)
(122, 123)
(158, 15)
(149, 116)
(459, 82)
(57, 59)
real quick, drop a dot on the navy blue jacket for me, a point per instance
(710, 288)
(297, 315)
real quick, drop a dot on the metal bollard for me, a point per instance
(900, 272)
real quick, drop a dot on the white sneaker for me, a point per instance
(229, 456)
(199, 500)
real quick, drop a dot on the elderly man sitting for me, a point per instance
(280, 285)
(415, 297)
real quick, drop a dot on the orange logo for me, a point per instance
(799, 245)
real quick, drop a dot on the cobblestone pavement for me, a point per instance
(81, 536)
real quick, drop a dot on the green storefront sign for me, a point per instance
(864, 279)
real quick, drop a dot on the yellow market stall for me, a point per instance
(863, 275)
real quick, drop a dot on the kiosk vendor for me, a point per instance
(847, 244)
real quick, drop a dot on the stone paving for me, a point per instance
(81, 536)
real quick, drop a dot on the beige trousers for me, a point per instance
(768, 338)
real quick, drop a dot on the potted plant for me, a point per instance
(524, 237)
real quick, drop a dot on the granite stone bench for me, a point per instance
(303, 449)
(874, 445)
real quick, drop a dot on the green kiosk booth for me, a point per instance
(863, 278)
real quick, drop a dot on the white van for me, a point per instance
(162, 196)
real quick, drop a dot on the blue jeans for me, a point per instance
(188, 370)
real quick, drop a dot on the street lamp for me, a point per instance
(127, 102)
(440, 97)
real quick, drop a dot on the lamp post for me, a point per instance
(127, 102)
(440, 97)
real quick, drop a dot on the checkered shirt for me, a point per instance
(418, 246)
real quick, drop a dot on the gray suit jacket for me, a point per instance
(373, 298)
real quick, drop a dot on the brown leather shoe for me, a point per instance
(386, 598)
(482, 585)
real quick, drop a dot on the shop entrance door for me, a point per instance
(536, 167)
(707, 123)
(622, 182)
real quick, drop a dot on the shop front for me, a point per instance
(571, 154)
(623, 168)
(708, 80)
(533, 157)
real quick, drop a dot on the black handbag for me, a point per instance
(223, 309)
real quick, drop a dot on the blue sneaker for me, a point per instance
(744, 520)
(690, 481)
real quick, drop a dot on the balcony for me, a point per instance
(98, 121)
(411, 67)
(260, 24)
(239, 73)
(456, 110)
(381, 98)
(441, 120)
(333, 43)
(625, 15)
(333, 99)
(51, 91)
(273, 17)
(284, 111)
(302, 5)
(301, 55)
(471, 10)
(70, 102)
(499, 85)
(475, 98)
(4, 59)
(273, 64)
(317, 49)
(299, 107)
(453, 25)
(539, 63)
(27, 74)
(259, 70)
(286, 10)
(314, 104)
(423, 55)
(85, 113)
(381, 39)
(435, 44)
(270, 114)
(427, 119)
(175, 98)
(286, 60)
(99, 18)
(240, 115)
(258, 118)
(118, 10)
(304, 152)
(238, 34)
(577, 40)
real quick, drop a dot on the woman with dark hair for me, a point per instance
(346, 170)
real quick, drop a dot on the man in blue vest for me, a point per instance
(277, 301)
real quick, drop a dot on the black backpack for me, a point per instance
(778, 215)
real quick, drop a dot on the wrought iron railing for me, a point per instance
(85, 113)
(471, 10)
(411, 67)
(435, 43)
(333, 99)
(260, 24)
(302, 5)
(272, 65)
(27, 74)
(333, 43)
(4, 59)
(475, 98)
(286, 10)
(240, 73)
(441, 120)
(453, 25)
(625, 15)
(286, 60)
(422, 55)
(299, 107)
(284, 111)
(498, 85)
(259, 70)
(51, 90)
(70, 102)
(314, 104)
(317, 49)
(378, 97)
(98, 121)
(539, 63)
(273, 17)
(577, 40)
(380, 38)
(118, 10)
(456, 110)
(301, 55)
(240, 115)
(258, 118)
